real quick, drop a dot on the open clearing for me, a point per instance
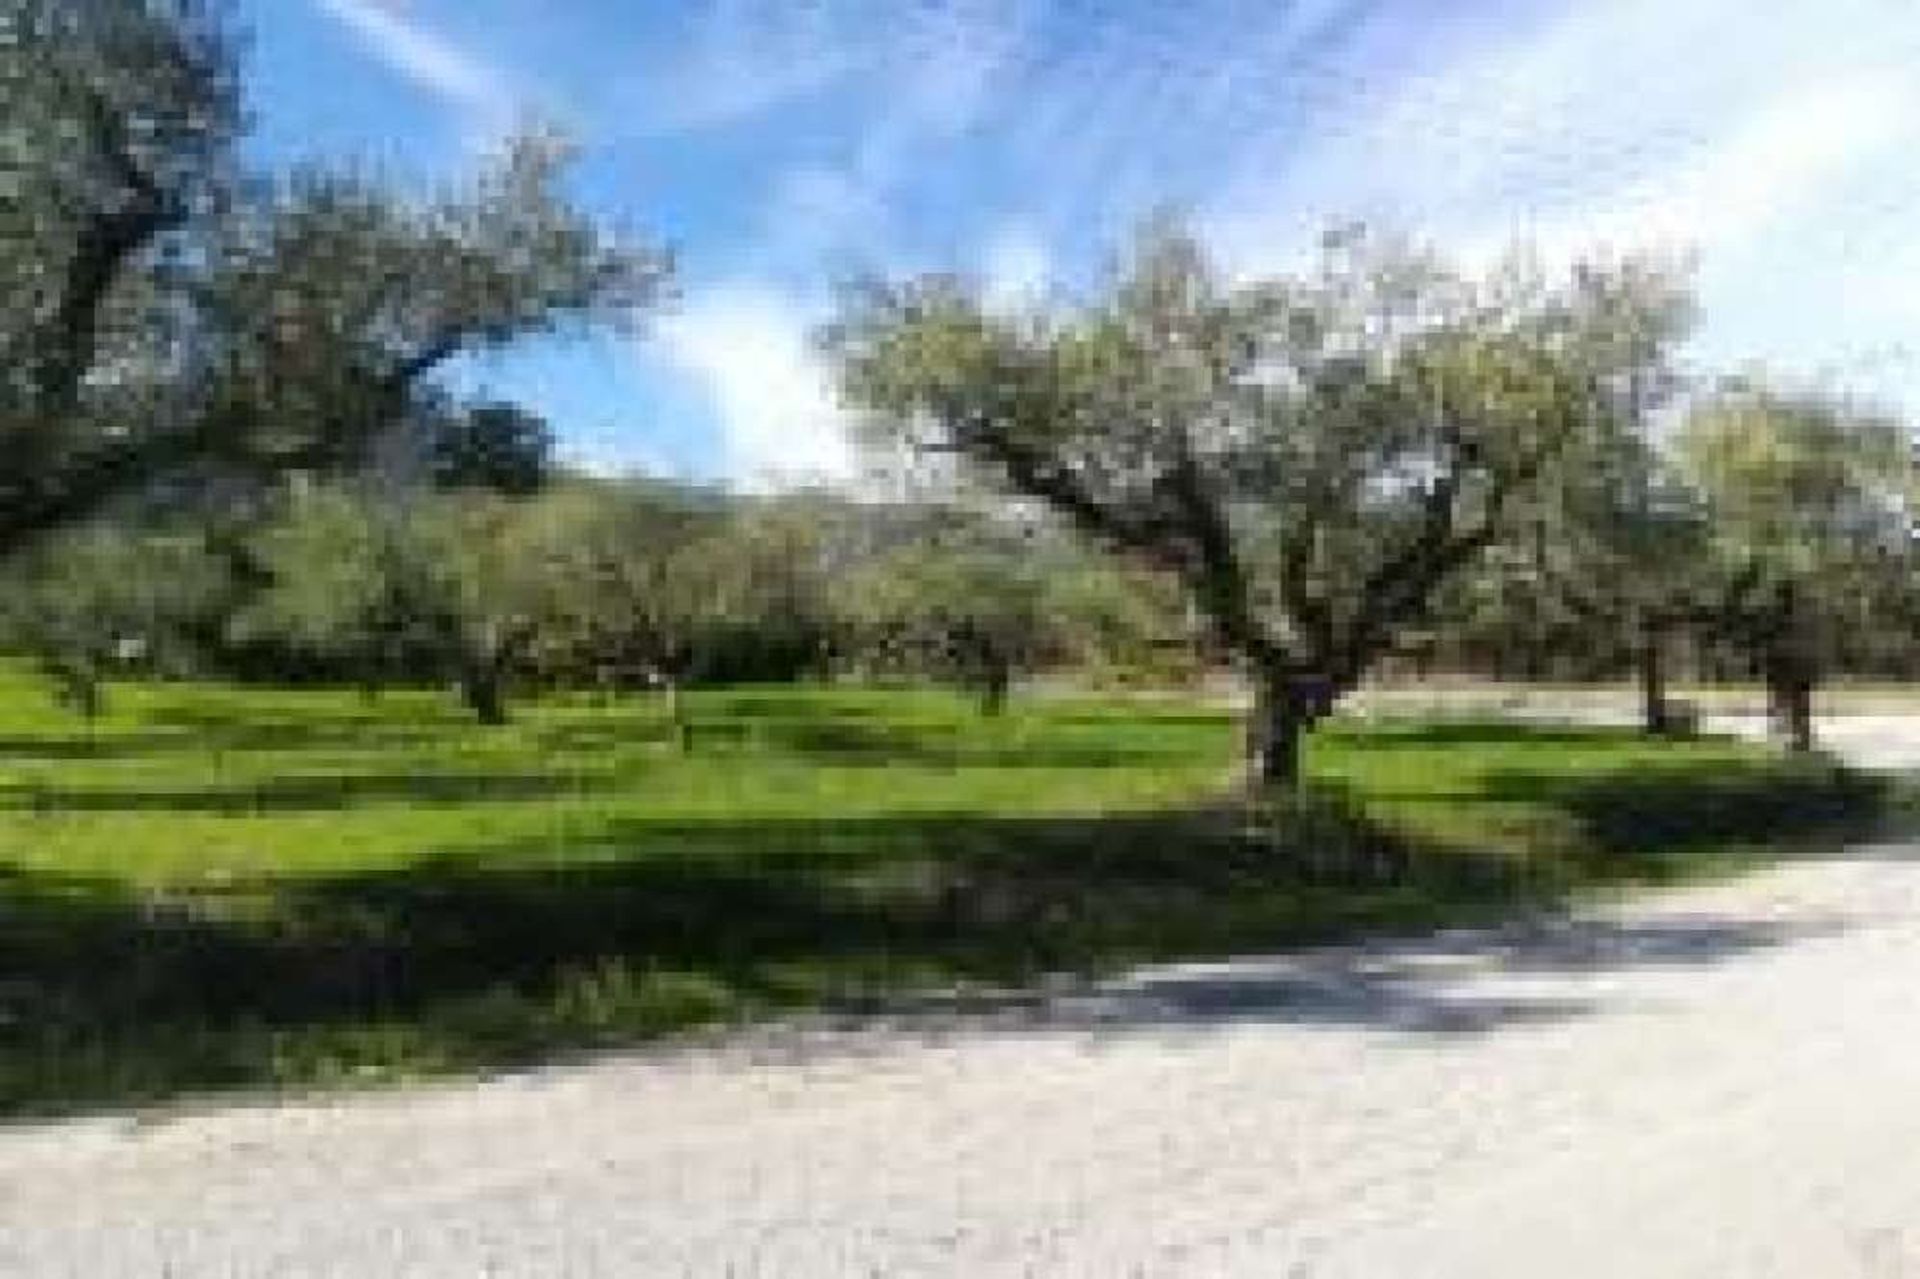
(1713, 1080)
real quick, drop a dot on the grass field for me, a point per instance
(216, 888)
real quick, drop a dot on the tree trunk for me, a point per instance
(1285, 709)
(677, 713)
(1790, 704)
(1801, 718)
(996, 680)
(1653, 684)
(480, 688)
(1795, 700)
(1791, 668)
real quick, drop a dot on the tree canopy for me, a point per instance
(1312, 456)
(1811, 506)
(164, 312)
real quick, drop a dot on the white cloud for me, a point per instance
(427, 59)
(745, 344)
(1623, 115)
(1017, 269)
(747, 349)
(1771, 139)
(1766, 171)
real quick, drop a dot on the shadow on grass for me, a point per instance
(1653, 814)
(1423, 734)
(958, 745)
(75, 748)
(167, 730)
(854, 737)
(192, 729)
(319, 792)
(474, 959)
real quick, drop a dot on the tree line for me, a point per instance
(228, 449)
(588, 584)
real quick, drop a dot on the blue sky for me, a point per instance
(779, 144)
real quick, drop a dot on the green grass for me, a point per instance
(216, 888)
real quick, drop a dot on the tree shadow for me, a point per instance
(1143, 714)
(779, 702)
(110, 744)
(1464, 982)
(1391, 735)
(474, 959)
(1682, 809)
(295, 793)
(238, 732)
(856, 738)
(954, 747)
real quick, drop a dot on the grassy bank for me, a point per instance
(223, 888)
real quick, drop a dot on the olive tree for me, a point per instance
(969, 607)
(1311, 456)
(1614, 559)
(166, 313)
(385, 584)
(333, 298)
(117, 125)
(350, 588)
(617, 587)
(103, 601)
(1810, 500)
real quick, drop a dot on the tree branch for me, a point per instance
(107, 241)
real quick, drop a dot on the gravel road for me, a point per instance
(1721, 1081)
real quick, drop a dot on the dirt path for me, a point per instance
(1724, 1081)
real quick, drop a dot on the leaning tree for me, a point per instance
(164, 312)
(120, 124)
(1312, 457)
